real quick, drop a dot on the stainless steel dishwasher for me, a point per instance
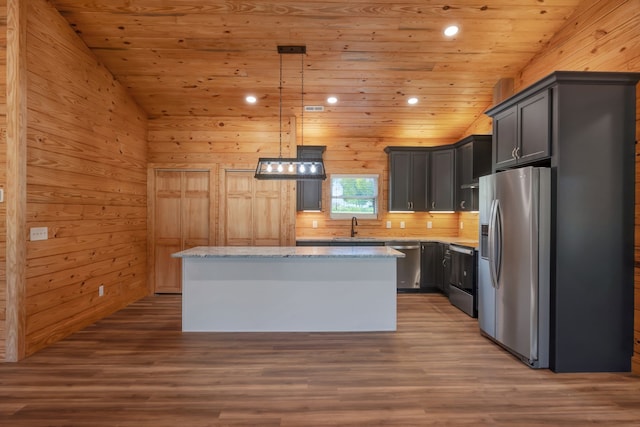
(408, 268)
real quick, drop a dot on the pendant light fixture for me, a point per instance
(291, 168)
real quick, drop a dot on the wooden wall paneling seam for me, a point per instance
(151, 192)
(3, 179)
(16, 178)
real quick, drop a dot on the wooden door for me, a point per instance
(181, 221)
(253, 211)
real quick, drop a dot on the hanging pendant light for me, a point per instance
(291, 168)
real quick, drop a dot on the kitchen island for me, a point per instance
(288, 289)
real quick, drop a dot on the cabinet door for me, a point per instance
(464, 172)
(444, 267)
(442, 180)
(419, 200)
(429, 266)
(309, 193)
(534, 128)
(399, 180)
(505, 138)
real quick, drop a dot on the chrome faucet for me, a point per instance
(354, 222)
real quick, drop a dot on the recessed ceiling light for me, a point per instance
(451, 31)
(332, 100)
(412, 100)
(251, 99)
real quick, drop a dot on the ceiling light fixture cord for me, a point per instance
(302, 101)
(280, 106)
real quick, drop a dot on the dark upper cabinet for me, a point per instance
(473, 160)
(408, 179)
(521, 132)
(442, 180)
(589, 120)
(309, 193)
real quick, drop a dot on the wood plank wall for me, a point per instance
(221, 144)
(357, 151)
(3, 176)
(183, 141)
(601, 36)
(86, 182)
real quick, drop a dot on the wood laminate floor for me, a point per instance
(136, 368)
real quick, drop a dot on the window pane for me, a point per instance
(354, 195)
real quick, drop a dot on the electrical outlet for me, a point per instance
(1, 195)
(401, 224)
(388, 224)
(429, 224)
(101, 290)
(461, 225)
(38, 233)
(314, 224)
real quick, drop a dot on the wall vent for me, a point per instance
(313, 108)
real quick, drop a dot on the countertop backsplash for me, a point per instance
(458, 225)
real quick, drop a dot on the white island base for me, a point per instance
(293, 289)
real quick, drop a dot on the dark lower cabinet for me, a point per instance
(435, 267)
(338, 243)
(429, 267)
(444, 257)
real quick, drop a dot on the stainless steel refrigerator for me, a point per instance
(513, 264)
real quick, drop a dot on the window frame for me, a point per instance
(349, 215)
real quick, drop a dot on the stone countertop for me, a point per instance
(289, 252)
(455, 240)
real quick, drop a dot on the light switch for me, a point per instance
(38, 233)
(401, 224)
(314, 224)
(1, 195)
(388, 224)
(429, 224)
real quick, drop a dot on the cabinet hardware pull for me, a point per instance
(513, 153)
(462, 204)
(517, 152)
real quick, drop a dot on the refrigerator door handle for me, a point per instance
(495, 243)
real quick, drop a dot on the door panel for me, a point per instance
(195, 213)
(181, 220)
(238, 217)
(267, 214)
(252, 210)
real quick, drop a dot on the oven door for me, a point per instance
(462, 268)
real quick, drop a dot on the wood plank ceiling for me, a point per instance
(202, 57)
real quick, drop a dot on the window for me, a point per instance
(354, 195)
